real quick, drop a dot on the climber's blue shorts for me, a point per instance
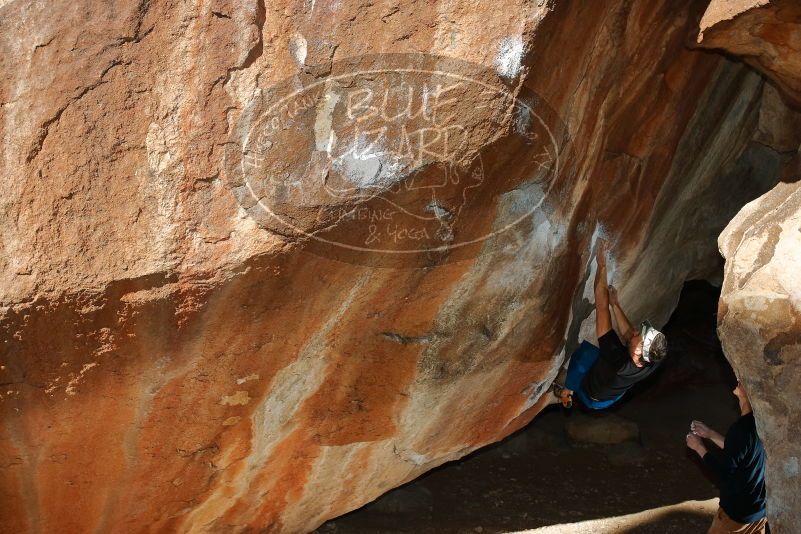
(581, 362)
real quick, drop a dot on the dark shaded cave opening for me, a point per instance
(625, 469)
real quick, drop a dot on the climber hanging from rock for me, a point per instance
(599, 376)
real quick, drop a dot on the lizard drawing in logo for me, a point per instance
(424, 176)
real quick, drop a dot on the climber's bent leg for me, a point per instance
(581, 362)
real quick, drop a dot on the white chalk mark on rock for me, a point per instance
(510, 54)
(298, 48)
(248, 378)
(324, 136)
(75, 380)
(239, 398)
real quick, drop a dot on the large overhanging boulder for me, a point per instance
(760, 327)
(192, 340)
(764, 33)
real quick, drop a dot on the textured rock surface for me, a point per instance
(760, 326)
(760, 303)
(170, 364)
(764, 33)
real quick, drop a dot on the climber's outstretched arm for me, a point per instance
(603, 319)
(701, 430)
(626, 328)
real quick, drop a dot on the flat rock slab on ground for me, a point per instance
(606, 429)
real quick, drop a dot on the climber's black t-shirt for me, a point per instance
(614, 372)
(741, 468)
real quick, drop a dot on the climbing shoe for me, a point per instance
(562, 394)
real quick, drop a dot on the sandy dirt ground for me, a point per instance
(541, 478)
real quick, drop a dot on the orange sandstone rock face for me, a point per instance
(182, 351)
(766, 34)
(759, 322)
